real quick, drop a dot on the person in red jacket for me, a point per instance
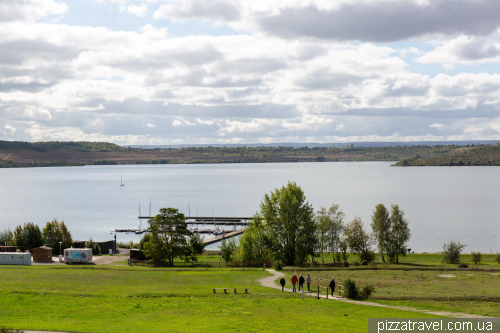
(294, 281)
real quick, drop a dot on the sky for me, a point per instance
(249, 71)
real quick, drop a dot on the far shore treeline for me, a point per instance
(56, 153)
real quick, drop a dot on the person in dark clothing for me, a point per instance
(301, 282)
(282, 282)
(332, 285)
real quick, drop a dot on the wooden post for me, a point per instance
(318, 291)
(326, 292)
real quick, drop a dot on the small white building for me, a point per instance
(15, 258)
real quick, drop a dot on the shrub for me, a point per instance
(350, 290)
(366, 291)
(463, 265)
(364, 263)
(96, 249)
(278, 265)
(476, 257)
(5, 330)
(451, 252)
(356, 263)
(497, 258)
(346, 264)
(337, 257)
(369, 256)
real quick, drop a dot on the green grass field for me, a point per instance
(122, 299)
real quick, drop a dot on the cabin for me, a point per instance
(42, 253)
(106, 246)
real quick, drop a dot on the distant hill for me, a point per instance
(328, 145)
(41, 154)
(464, 156)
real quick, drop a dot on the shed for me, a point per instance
(9, 248)
(9, 258)
(42, 253)
(136, 254)
(106, 246)
(78, 244)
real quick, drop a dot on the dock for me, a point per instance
(238, 220)
(221, 237)
(132, 230)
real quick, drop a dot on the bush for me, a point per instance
(278, 265)
(369, 256)
(350, 290)
(451, 252)
(476, 257)
(366, 291)
(96, 249)
(497, 258)
(364, 263)
(337, 257)
(346, 264)
(463, 265)
(5, 330)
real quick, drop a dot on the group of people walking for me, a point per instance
(301, 281)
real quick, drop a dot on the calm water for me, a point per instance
(441, 203)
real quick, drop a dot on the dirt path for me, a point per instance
(269, 282)
(6, 157)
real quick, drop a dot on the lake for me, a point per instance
(440, 203)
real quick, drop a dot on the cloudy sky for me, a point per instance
(249, 71)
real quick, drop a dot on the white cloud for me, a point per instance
(39, 113)
(29, 10)
(139, 11)
(11, 129)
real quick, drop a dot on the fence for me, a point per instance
(205, 264)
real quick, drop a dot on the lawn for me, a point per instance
(475, 292)
(115, 299)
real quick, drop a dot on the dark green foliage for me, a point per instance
(28, 237)
(55, 232)
(346, 264)
(104, 162)
(168, 239)
(7, 237)
(82, 146)
(96, 249)
(366, 291)
(497, 258)
(255, 242)
(476, 257)
(349, 289)
(364, 262)
(485, 155)
(463, 265)
(289, 219)
(228, 249)
(451, 252)
(195, 248)
(5, 330)
(278, 265)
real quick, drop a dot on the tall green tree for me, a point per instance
(194, 249)
(7, 238)
(290, 219)
(400, 233)
(381, 228)
(28, 236)
(255, 243)
(55, 232)
(169, 233)
(358, 239)
(329, 226)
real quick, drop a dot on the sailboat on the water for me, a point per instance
(121, 181)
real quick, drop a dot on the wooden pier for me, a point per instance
(214, 220)
(223, 236)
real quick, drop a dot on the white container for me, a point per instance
(78, 255)
(15, 258)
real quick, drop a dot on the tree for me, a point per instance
(400, 233)
(55, 232)
(96, 249)
(228, 248)
(28, 237)
(358, 240)
(7, 237)
(451, 252)
(168, 236)
(290, 219)
(381, 228)
(476, 257)
(254, 243)
(329, 226)
(195, 248)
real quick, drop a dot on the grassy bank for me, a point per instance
(138, 300)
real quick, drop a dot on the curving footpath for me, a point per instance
(270, 282)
